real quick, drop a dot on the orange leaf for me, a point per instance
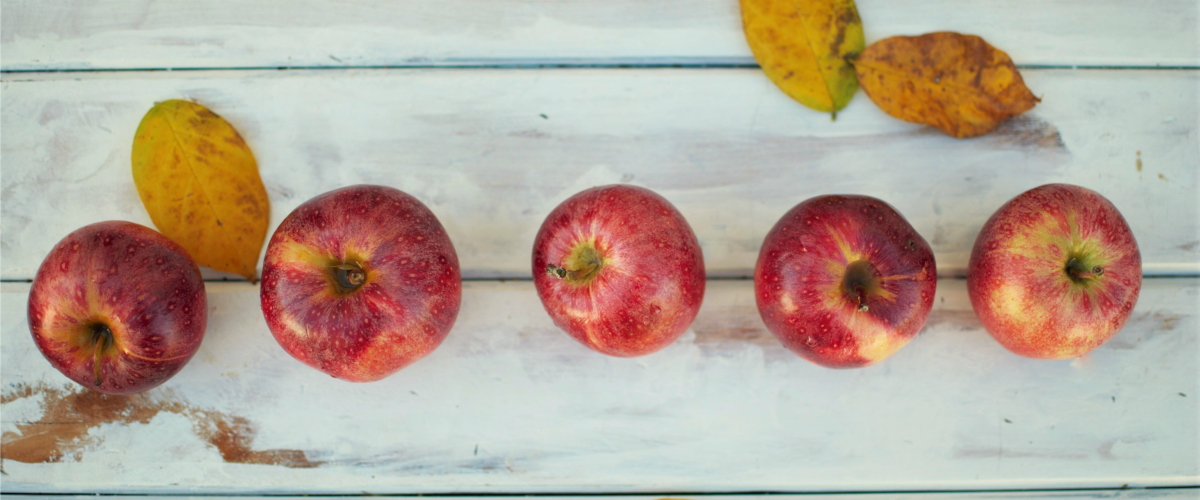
(200, 183)
(804, 47)
(957, 83)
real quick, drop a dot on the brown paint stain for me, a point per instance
(710, 333)
(530, 133)
(1149, 324)
(1163, 177)
(1029, 131)
(1166, 322)
(962, 321)
(732, 326)
(1139, 161)
(232, 437)
(734, 329)
(68, 415)
(52, 111)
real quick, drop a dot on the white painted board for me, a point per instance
(511, 404)
(1106, 494)
(491, 152)
(81, 34)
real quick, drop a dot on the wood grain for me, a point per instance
(81, 34)
(491, 152)
(511, 404)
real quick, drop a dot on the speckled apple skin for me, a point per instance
(400, 314)
(142, 285)
(798, 280)
(1016, 277)
(651, 289)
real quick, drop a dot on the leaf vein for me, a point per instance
(207, 199)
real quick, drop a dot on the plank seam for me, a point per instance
(536, 65)
(632, 494)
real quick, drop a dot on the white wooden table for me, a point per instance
(494, 112)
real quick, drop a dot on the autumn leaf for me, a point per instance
(805, 47)
(957, 83)
(200, 183)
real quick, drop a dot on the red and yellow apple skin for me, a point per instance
(1055, 272)
(844, 281)
(619, 269)
(360, 282)
(118, 307)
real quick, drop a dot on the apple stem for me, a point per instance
(557, 272)
(102, 339)
(862, 297)
(1078, 272)
(349, 276)
(588, 261)
(572, 276)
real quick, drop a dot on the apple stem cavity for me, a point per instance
(349, 277)
(577, 276)
(583, 265)
(1080, 272)
(862, 297)
(102, 340)
(859, 281)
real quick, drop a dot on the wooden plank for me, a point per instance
(1111, 494)
(79, 34)
(511, 404)
(493, 151)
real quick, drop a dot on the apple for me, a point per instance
(1055, 272)
(118, 307)
(844, 281)
(360, 282)
(619, 269)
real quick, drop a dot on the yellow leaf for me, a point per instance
(805, 47)
(957, 83)
(200, 183)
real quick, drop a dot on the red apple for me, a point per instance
(118, 307)
(844, 281)
(1055, 272)
(360, 282)
(619, 269)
